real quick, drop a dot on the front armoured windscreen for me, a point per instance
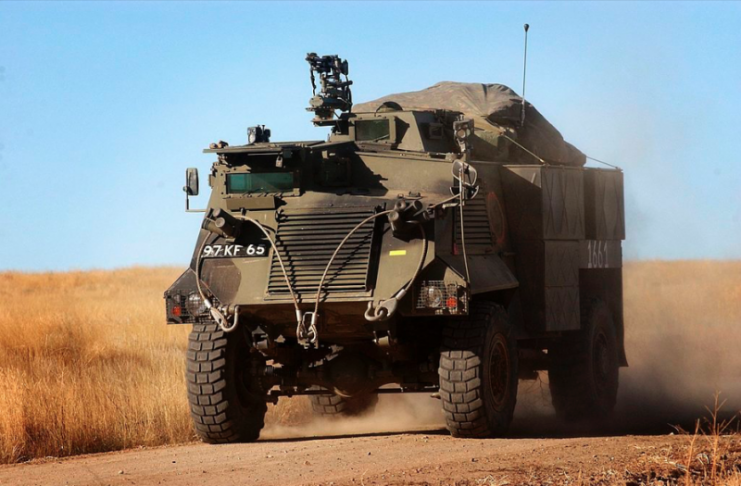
(372, 130)
(265, 182)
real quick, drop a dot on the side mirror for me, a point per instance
(191, 189)
(191, 181)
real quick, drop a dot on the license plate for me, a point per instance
(234, 250)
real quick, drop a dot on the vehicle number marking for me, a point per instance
(226, 251)
(598, 256)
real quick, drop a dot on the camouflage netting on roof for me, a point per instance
(496, 110)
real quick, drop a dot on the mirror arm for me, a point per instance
(187, 205)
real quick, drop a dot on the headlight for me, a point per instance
(445, 298)
(433, 297)
(194, 305)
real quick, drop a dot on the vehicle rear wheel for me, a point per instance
(331, 405)
(584, 370)
(227, 403)
(478, 372)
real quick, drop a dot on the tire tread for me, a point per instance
(460, 370)
(214, 409)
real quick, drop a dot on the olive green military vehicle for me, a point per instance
(446, 242)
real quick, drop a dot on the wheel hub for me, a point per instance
(499, 372)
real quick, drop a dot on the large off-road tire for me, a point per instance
(478, 372)
(331, 405)
(227, 404)
(584, 368)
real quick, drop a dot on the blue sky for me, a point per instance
(103, 106)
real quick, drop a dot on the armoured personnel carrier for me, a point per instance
(435, 243)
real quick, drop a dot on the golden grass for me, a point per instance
(87, 363)
(711, 455)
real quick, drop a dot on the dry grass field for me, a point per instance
(87, 363)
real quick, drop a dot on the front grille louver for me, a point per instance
(475, 223)
(307, 240)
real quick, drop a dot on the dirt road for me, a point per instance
(419, 457)
(404, 442)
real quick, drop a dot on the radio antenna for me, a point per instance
(524, 73)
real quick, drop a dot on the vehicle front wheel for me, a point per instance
(478, 372)
(227, 403)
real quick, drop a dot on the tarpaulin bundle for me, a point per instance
(496, 111)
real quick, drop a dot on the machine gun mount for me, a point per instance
(334, 92)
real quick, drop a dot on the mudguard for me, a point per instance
(488, 272)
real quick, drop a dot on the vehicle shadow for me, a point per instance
(329, 436)
(622, 423)
(533, 427)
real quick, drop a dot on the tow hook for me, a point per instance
(307, 332)
(221, 318)
(385, 308)
(382, 312)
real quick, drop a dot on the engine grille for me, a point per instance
(307, 241)
(476, 225)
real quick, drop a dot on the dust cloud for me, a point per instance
(683, 341)
(395, 413)
(683, 338)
